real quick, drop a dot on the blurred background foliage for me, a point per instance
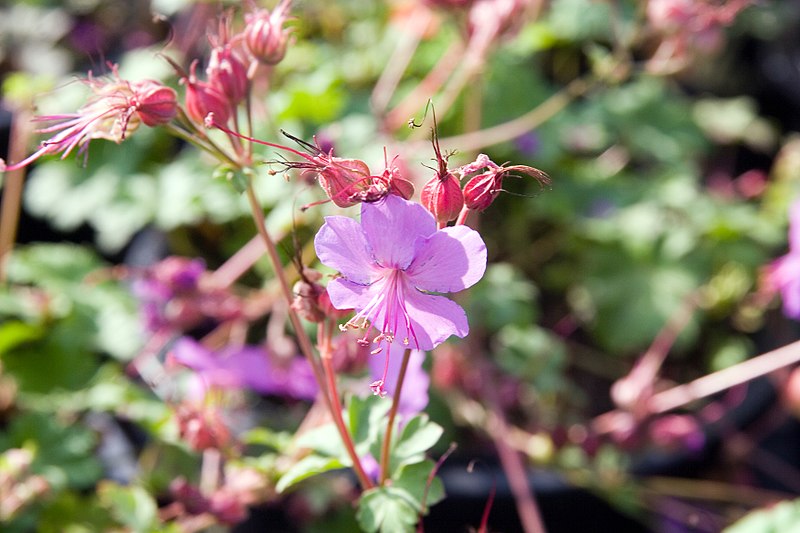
(667, 188)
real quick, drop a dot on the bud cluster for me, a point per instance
(444, 196)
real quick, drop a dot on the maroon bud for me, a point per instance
(481, 190)
(443, 197)
(203, 98)
(202, 429)
(343, 179)
(155, 103)
(228, 73)
(264, 34)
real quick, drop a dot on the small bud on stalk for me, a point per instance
(265, 35)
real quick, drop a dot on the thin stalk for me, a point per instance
(325, 377)
(302, 337)
(327, 364)
(498, 429)
(387, 440)
(514, 128)
(12, 195)
(407, 44)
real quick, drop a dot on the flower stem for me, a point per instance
(272, 251)
(12, 195)
(387, 440)
(327, 386)
(336, 411)
(498, 429)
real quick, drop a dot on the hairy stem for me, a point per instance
(387, 440)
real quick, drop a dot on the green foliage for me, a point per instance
(388, 510)
(783, 517)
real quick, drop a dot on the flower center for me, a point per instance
(385, 312)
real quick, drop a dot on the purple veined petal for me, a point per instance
(342, 245)
(450, 260)
(414, 396)
(784, 275)
(434, 319)
(392, 226)
(345, 294)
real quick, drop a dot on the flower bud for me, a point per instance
(442, 196)
(203, 98)
(264, 34)
(342, 179)
(228, 73)
(155, 103)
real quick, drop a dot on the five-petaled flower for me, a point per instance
(392, 264)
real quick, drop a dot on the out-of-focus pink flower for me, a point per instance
(264, 34)
(113, 112)
(246, 367)
(783, 274)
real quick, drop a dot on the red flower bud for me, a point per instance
(203, 98)
(481, 190)
(264, 34)
(442, 196)
(342, 179)
(156, 104)
(228, 73)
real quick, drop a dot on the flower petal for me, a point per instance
(450, 260)
(345, 294)
(341, 244)
(392, 226)
(433, 319)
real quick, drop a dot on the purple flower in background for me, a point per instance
(392, 263)
(251, 367)
(162, 283)
(783, 274)
(414, 397)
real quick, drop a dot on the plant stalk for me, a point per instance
(387, 440)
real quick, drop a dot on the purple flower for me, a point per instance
(783, 274)
(392, 264)
(251, 367)
(414, 397)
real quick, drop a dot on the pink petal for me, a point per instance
(392, 226)
(450, 260)
(341, 245)
(345, 294)
(434, 319)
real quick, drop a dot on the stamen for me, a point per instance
(377, 388)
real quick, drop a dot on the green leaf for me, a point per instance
(326, 441)
(366, 418)
(132, 506)
(388, 510)
(64, 454)
(53, 266)
(413, 478)
(418, 436)
(783, 517)
(14, 333)
(305, 468)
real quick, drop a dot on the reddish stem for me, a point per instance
(387, 439)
